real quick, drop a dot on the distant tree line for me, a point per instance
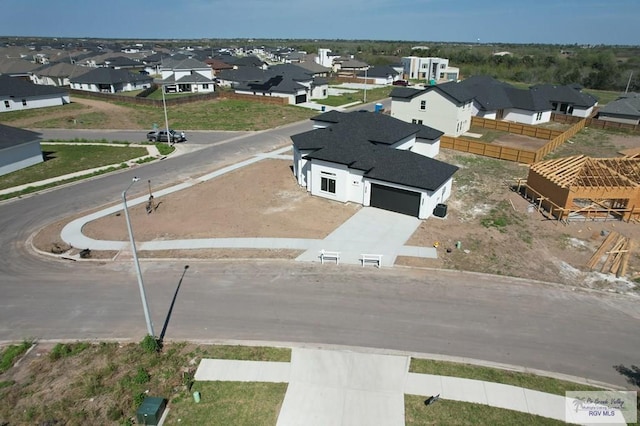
(594, 67)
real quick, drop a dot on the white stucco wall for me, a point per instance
(427, 148)
(16, 104)
(431, 199)
(18, 157)
(440, 112)
(352, 186)
(320, 92)
(291, 99)
(338, 172)
(526, 117)
(619, 119)
(404, 144)
(582, 112)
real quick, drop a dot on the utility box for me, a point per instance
(150, 411)
(440, 210)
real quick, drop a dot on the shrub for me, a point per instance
(142, 376)
(11, 353)
(150, 344)
(63, 350)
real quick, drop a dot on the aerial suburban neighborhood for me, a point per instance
(318, 231)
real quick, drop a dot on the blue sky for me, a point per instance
(514, 21)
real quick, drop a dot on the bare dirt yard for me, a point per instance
(498, 230)
(119, 117)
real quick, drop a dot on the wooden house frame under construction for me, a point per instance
(594, 188)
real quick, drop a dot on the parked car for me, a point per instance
(400, 83)
(161, 136)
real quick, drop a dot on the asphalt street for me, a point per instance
(439, 312)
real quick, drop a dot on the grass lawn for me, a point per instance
(220, 114)
(589, 141)
(444, 412)
(229, 403)
(64, 159)
(488, 135)
(524, 380)
(72, 109)
(347, 98)
(104, 383)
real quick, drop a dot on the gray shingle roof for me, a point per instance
(569, 94)
(489, 93)
(361, 141)
(16, 87)
(13, 136)
(627, 105)
(453, 90)
(110, 76)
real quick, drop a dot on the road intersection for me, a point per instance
(453, 313)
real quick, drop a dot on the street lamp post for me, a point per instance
(143, 296)
(166, 119)
(365, 86)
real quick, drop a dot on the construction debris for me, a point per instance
(616, 247)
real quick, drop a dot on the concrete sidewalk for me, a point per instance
(329, 387)
(369, 231)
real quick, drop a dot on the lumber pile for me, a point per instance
(612, 255)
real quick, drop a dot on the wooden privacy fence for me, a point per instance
(272, 100)
(555, 137)
(144, 101)
(560, 139)
(516, 128)
(488, 149)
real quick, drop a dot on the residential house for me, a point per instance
(625, 109)
(246, 61)
(17, 94)
(497, 100)
(217, 65)
(429, 69)
(109, 80)
(315, 69)
(57, 74)
(446, 107)
(187, 75)
(382, 74)
(290, 81)
(349, 67)
(325, 58)
(567, 99)
(17, 67)
(374, 160)
(18, 149)
(123, 63)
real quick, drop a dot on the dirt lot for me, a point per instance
(528, 246)
(119, 117)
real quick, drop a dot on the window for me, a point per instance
(423, 105)
(328, 182)
(24, 102)
(539, 116)
(205, 86)
(6, 104)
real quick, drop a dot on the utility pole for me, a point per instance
(365, 85)
(628, 82)
(143, 296)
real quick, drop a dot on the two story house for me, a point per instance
(446, 107)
